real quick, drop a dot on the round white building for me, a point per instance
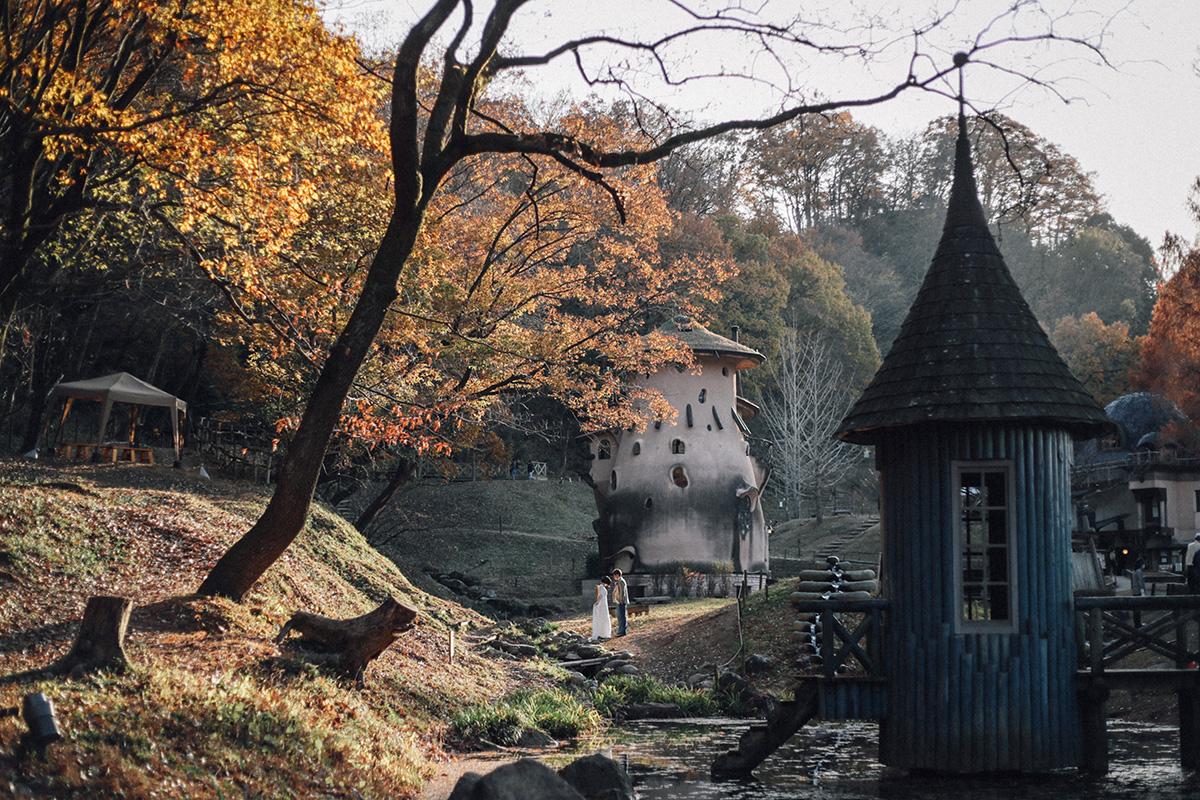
(688, 491)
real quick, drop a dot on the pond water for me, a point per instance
(671, 759)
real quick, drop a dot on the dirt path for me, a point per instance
(674, 641)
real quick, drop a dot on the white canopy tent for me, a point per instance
(121, 387)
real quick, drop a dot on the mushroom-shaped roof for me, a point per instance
(701, 340)
(1140, 418)
(970, 349)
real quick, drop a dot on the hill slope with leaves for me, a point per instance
(212, 707)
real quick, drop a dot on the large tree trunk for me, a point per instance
(400, 476)
(246, 561)
(416, 175)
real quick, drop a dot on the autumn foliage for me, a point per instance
(1171, 355)
(214, 118)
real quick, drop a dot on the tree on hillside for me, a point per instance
(170, 134)
(807, 399)
(427, 148)
(1097, 271)
(1171, 351)
(1103, 357)
(1022, 178)
(522, 283)
(819, 169)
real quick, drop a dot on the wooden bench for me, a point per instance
(638, 610)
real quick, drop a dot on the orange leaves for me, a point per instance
(1171, 351)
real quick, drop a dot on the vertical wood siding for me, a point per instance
(976, 702)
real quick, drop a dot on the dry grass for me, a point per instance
(212, 706)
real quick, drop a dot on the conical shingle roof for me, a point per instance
(970, 349)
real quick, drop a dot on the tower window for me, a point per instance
(612, 480)
(703, 394)
(984, 534)
(637, 448)
(690, 421)
(605, 450)
(678, 447)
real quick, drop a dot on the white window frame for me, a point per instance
(962, 624)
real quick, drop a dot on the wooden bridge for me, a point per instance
(1146, 644)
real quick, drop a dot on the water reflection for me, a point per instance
(838, 760)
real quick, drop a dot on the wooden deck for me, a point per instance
(1114, 629)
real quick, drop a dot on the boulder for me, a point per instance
(597, 777)
(759, 663)
(526, 779)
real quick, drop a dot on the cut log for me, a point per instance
(100, 644)
(349, 645)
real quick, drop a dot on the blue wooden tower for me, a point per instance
(972, 416)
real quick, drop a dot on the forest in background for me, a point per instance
(216, 248)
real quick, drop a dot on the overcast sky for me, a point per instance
(1136, 126)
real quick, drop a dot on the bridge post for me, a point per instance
(1189, 724)
(1093, 718)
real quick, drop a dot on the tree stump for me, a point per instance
(100, 644)
(348, 645)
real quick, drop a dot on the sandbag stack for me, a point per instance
(836, 581)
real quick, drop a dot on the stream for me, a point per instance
(671, 759)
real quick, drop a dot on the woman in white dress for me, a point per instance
(601, 622)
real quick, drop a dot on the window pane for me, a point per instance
(984, 539)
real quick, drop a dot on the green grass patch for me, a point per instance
(624, 690)
(557, 712)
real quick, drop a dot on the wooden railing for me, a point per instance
(857, 651)
(1114, 628)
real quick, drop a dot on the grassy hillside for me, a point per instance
(212, 707)
(526, 539)
(560, 509)
(798, 543)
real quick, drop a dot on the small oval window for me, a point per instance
(649, 503)
(612, 479)
(703, 394)
(637, 448)
(725, 371)
(679, 476)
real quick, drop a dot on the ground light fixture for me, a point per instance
(38, 712)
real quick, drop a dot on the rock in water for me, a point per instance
(522, 780)
(597, 777)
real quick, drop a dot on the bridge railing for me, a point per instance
(1111, 629)
(848, 635)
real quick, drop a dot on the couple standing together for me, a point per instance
(601, 623)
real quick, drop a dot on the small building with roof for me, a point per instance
(1136, 497)
(972, 416)
(685, 492)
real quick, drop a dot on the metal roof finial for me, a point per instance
(960, 61)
